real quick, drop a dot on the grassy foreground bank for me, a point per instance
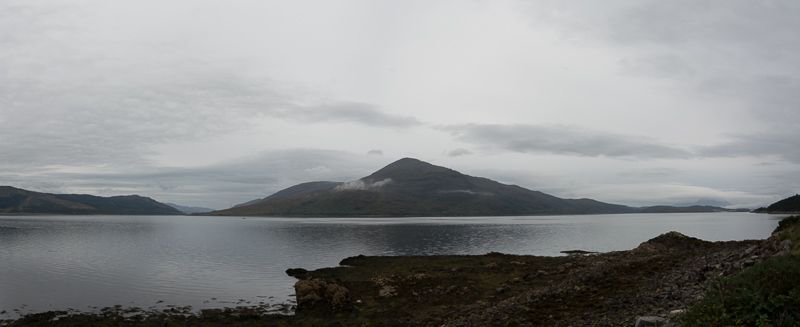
(766, 294)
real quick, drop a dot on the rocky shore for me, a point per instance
(655, 281)
(650, 285)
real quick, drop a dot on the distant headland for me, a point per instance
(787, 205)
(18, 201)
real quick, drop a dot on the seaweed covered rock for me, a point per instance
(671, 241)
(318, 293)
(298, 273)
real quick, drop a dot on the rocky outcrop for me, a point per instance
(672, 241)
(316, 293)
(298, 273)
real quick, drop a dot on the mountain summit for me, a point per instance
(410, 168)
(411, 187)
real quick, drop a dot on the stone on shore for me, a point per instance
(650, 321)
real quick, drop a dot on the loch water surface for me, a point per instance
(80, 262)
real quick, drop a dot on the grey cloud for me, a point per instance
(782, 183)
(375, 152)
(99, 123)
(564, 140)
(659, 65)
(72, 93)
(649, 173)
(784, 145)
(747, 24)
(771, 97)
(719, 22)
(459, 152)
(356, 112)
(743, 51)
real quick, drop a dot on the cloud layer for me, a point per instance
(207, 104)
(563, 140)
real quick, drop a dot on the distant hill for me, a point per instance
(787, 205)
(672, 209)
(189, 210)
(410, 187)
(15, 200)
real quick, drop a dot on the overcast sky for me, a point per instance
(214, 103)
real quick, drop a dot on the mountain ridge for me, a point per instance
(20, 201)
(411, 187)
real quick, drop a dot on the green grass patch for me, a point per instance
(767, 294)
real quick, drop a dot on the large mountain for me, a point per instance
(14, 200)
(410, 187)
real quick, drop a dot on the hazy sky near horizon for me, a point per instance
(214, 103)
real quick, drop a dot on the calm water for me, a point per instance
(60, 262)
